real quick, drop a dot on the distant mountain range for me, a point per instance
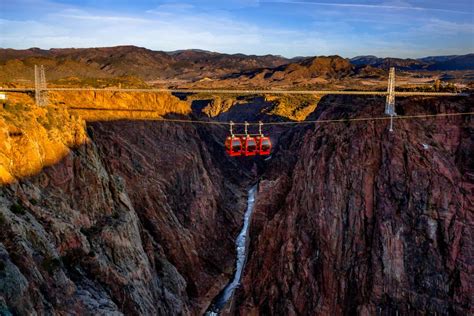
(106, 62)
(452, 62)
(193, 64)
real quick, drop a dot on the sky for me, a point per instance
(405, 28)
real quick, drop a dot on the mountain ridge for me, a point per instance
(447, 62)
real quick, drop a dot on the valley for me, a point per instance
(108, 209)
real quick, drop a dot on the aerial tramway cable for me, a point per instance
(251, 145)
(258, 144)
(343, 120)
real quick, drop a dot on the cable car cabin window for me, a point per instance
(236, 145)
(265, 145)
(251, 146)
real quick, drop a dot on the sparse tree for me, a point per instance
(437, 85)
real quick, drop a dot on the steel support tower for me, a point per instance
(41, 93)
(390, 103)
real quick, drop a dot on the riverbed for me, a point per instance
(241, 246)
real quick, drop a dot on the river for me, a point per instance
(241, 243)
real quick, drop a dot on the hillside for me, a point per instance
(131, 66)
(320, 71)
(109, 62)
(433, 63)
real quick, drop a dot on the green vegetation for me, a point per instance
(3, 220)
(18, 209)
(15, 108)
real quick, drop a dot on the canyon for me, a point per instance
(353, 219)
(114, 214)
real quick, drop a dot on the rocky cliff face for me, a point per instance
(139, 217)
(351, 218)
(139, 220)
(33, 137)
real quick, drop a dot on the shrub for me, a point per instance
(3, 220)
(17, 209)
(15, 108)
(51, 264)
(73, 257)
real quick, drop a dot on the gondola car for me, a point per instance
(264, 146)
(233, 146)
(249, 146)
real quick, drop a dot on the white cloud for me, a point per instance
(174, 26)
(389, 6)
(437, 26)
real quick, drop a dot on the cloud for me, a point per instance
(438, 26)
(173, 26)
(366, 6)
(82, 15)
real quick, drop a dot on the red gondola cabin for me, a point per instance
(233, 146)
(264, 146)
(249, 146)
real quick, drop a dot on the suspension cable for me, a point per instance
(355, 119)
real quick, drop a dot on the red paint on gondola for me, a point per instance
(264, 146)
(233, 146)
(249, 146)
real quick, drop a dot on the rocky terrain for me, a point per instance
(105, 211)
(453, 62)
(131, 66)
(142, 63)
(352, 219)
(139, 219)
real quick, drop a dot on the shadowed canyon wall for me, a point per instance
(136, 217)
(353, 219)
(140, 217)
(141, 220)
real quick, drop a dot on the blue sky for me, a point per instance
(406, 28)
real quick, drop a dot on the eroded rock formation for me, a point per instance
(141, 218)
(351, 218)
(138, 220)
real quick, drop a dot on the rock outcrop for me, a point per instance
(33, 137)
(139, 218)
(139, 221)
(107, 105)
(353, 219)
